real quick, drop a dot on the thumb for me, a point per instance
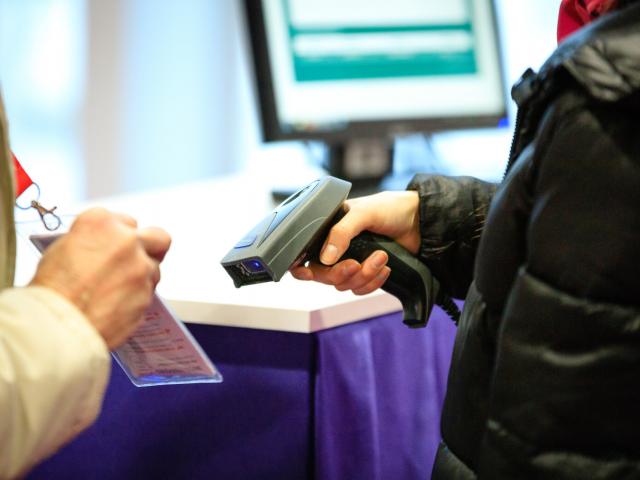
(340, 236)
(155, 241)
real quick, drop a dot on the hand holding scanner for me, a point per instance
(295, 232)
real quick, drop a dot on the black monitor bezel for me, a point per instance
(271, 127)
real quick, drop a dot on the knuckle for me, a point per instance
(139, 273)
(369, 274)
(301, 273)
(338, 229)
(127, 243)
(87, 218)
(386, 271)
(319, 277)
(97, 215)
(154, 274)
(128, 219)
(94, 221)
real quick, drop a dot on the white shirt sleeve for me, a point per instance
(54, 368)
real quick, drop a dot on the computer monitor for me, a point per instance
(356, 74)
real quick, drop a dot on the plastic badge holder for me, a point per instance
(161, 351)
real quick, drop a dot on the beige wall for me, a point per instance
(168, 96)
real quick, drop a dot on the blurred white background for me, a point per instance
(114, 96)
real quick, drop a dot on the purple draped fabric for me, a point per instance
(358, 401)
(379, 394)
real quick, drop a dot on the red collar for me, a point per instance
(576, 13)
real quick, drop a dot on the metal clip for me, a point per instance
(49, 219)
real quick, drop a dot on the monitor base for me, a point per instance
(390, 182)
(362, 161)
(365, 162)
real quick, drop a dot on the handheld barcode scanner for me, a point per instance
(295, 232)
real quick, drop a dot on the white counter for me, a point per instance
(205, 220)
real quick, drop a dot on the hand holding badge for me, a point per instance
(161, 351)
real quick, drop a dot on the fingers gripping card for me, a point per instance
(161, 351)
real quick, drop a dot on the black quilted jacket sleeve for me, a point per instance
(453, 211)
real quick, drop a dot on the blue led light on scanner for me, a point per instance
(253, 266)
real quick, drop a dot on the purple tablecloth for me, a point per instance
(360, 401)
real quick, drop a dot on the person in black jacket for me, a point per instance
(546, 363)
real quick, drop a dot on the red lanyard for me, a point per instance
(23, 181)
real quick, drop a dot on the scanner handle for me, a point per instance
(410, 280)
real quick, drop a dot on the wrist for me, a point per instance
(413, 214)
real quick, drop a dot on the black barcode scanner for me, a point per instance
(295, 232)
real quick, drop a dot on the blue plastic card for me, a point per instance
(161, 351)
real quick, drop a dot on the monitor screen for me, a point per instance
(338, 69)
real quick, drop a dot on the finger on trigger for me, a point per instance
(375, 262)
(322, 273)
(302, 273)
(374, 284)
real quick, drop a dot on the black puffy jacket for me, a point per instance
(545, 377)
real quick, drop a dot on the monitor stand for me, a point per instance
(363, 162)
